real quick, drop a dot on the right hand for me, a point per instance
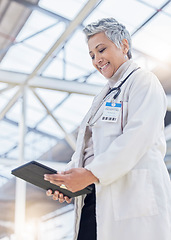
(58, 196)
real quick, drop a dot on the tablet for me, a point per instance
(33, 172)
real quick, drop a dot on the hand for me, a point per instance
(58, 196)
(75, 179)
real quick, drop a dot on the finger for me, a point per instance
(49, 192)
(49, 176)
(56, 177)
(67, 199)
(55, 197)
(61, 198)
(58, 183)
(56, 194)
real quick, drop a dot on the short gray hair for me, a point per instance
(114, 30)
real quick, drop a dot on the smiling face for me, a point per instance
(106, 57)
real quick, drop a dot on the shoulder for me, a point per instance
(145, 85)
(144, 80)
(140, 77)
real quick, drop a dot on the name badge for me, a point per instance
(111, 112)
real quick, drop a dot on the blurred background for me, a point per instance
(47, 84)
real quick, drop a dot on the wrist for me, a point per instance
(92, 177)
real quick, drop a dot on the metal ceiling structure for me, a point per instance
(47, 84)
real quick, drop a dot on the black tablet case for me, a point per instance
(33, 172)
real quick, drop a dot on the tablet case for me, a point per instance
(33, 172)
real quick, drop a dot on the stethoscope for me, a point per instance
(118, 89)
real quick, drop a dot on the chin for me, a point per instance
(107, 75)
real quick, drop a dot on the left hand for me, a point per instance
(58, 196)
(74, 179)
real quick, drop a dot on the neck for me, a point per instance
(119, 73)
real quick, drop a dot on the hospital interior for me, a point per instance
(47, 84)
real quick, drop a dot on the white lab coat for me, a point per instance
(133, 196)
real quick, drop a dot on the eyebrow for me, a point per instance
(97, 46)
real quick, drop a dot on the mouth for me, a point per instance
(102, 68)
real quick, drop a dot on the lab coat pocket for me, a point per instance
(133, 196)
(112, 129)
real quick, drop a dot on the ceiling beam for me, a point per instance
(34, 6)
(153, 7)
(14, 78)
(152, 16)
(69, 137)
(66, 34)
(30, 129)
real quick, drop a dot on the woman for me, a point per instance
(120, 148)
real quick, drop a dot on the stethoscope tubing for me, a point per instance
(118, 88)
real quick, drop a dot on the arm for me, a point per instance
(146, 111)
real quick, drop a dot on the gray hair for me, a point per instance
(115, 31)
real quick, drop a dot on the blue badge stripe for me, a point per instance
(118, 104)
(109, 104)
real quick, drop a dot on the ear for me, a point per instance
(125, 46)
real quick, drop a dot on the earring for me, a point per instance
(125, 56)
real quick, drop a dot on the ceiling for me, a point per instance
(47, 81)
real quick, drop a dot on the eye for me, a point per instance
(102, 50)
(92, 57)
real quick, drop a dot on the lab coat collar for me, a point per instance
(121, 73)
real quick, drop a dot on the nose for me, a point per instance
(98, 59)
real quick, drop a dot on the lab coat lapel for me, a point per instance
(98, 99)
(95, 105)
